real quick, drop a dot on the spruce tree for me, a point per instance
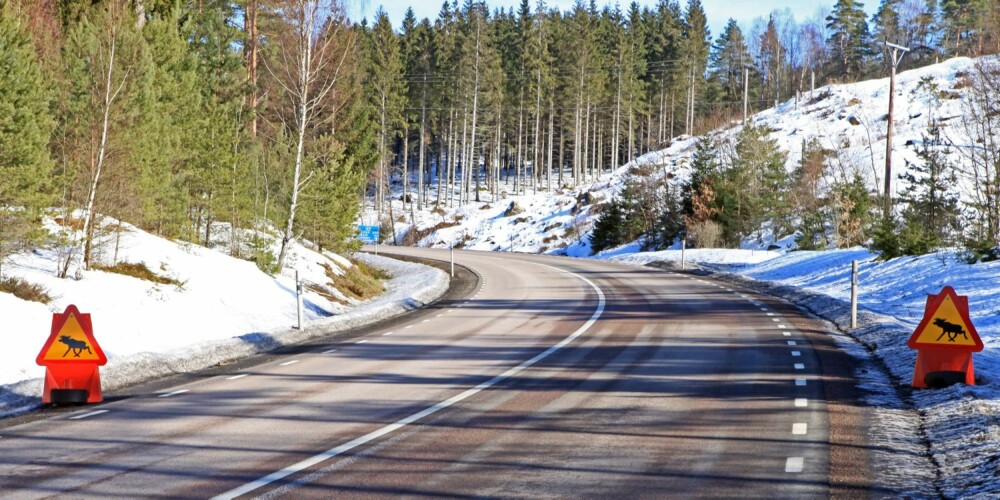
(730, 58)
(27, 126)
(848, 40)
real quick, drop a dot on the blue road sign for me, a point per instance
(368, 234)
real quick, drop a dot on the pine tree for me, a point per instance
(848, 39)
(931, 213)
(27, 127)
(730, 58)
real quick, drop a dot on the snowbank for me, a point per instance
(223, 309)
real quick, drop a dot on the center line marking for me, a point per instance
(408, 327)
(796, 353)
(787, 334)
(793, 464)
(386, 333)
(361, 342)
(769, 314)
(801, 402)
(292, 362)
(403, 422)
(167, 395)
(89, 414)
(235, 377)
(776, 320)
(799, 429)
(800, 366)
(800, 381)
(791, 342)
(780, 326)
(331, 351)
(424, 321)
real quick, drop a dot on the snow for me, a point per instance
(224, 308)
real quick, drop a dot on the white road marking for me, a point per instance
(360, 441)
(408, 327)
(791, 342)
(424, 321)
(331, 351)
(799, 429)
(781, 327)
(88, 415)
(801, 402)
(796, 353)
(764, 309)
(438, 316)
(776, 319)
(800, 381)
(169, 394)
(292, 362)
(386, 334)
(800, 366)
(793, 464)
(361, 342)
(236, 377)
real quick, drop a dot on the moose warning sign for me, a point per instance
(946, 324)
(71, 340)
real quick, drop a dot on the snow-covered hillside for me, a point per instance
(846, 119)
(219, 308)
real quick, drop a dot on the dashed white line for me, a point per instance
(362, 342)
(787, 334)
(776, 320)
(800, 366)
(387, 334)
(88, 415)
(801, 402)
(793, 464)
(331, 351)
(800, 381)
(237, 377)
(424, 321)
(764, 309)
(169, 394)
(791, 342)
(407, 327)
(292, 362)
(781, 327)
(800, 429)
(796, 353)
(438, 316)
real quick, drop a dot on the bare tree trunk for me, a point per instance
(552, 113)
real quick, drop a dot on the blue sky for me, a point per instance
(718, 11)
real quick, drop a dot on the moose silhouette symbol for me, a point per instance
(951, 329)
(77, 346)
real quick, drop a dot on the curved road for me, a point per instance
(553, 377)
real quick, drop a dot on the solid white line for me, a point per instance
(292, 362)
(801, 402)
(235, 377)
(791, 342)
(796, 353)
(350, 445)
(793, 464)
(331, 351)
(361, 342)
(167, 395)
(800, 429)
(90, 414)
(800, 381)
(800, 366)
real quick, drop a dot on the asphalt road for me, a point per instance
(550, 377)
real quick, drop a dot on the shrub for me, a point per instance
(25, 291)
(137, 270)
(359, 281)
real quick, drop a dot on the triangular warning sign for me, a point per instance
(946, 324)
(71, 341)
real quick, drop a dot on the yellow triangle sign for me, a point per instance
(72, 340)
(946, 324)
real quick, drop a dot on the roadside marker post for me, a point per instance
(854, 294)
(452, 262)
(298, 300)
(683, 248)
(71, 357)
(945, 340)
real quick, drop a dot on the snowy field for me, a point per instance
(224, 308)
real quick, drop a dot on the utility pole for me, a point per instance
(896, 57)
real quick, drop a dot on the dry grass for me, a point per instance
(413, 236)
(359, 282)
(25, 291)
(136, 270)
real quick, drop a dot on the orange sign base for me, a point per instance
(931, 361)
(945, 340)
(67, 377)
